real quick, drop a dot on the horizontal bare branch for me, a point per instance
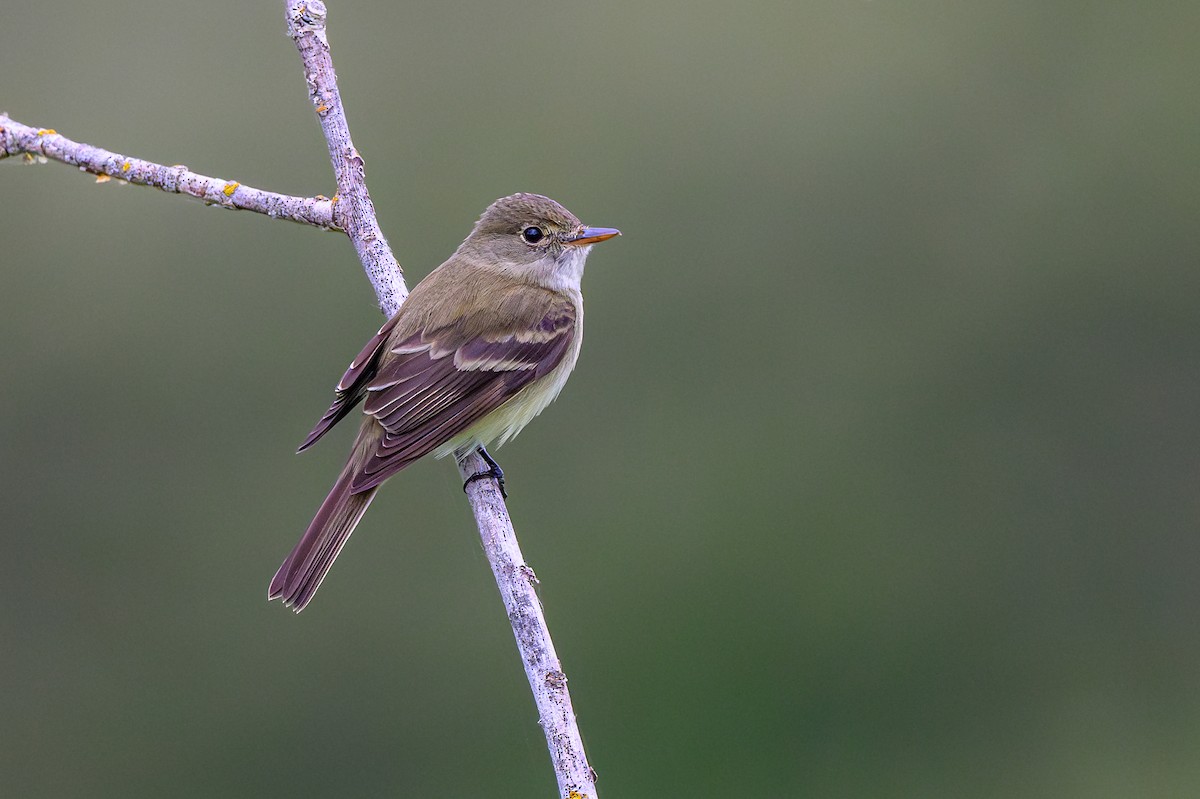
(18, 139)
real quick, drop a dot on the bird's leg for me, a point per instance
(493, 471)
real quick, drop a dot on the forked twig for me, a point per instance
(352, 212)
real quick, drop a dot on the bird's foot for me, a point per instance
(493, 471)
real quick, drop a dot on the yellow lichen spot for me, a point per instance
(47, 131)
(230, 188)
(103, 178)
(335, 199)
(322, 108)
(128, 165)
(574, 794)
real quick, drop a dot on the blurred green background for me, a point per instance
(879, 476)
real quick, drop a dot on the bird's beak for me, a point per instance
(591, 235)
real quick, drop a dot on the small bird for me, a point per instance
(478, 349)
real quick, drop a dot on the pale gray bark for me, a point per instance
(34, 143)
(351, 211)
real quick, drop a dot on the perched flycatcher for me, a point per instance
(479, 348)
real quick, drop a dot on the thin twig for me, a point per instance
(356, 214)
(18, 139)
(518, 589)
(354, 209)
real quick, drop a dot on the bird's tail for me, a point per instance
(301, 574)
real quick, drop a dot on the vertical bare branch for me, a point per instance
(518, 584)
(516, 581)
(353, 208)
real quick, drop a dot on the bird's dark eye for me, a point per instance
(533, 234)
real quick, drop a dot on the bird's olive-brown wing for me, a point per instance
(434, 386)
(353, 385)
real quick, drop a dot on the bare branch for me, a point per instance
(516, 581)
(354, 209)
(351, 211)
(518, 589)
(18, 139)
